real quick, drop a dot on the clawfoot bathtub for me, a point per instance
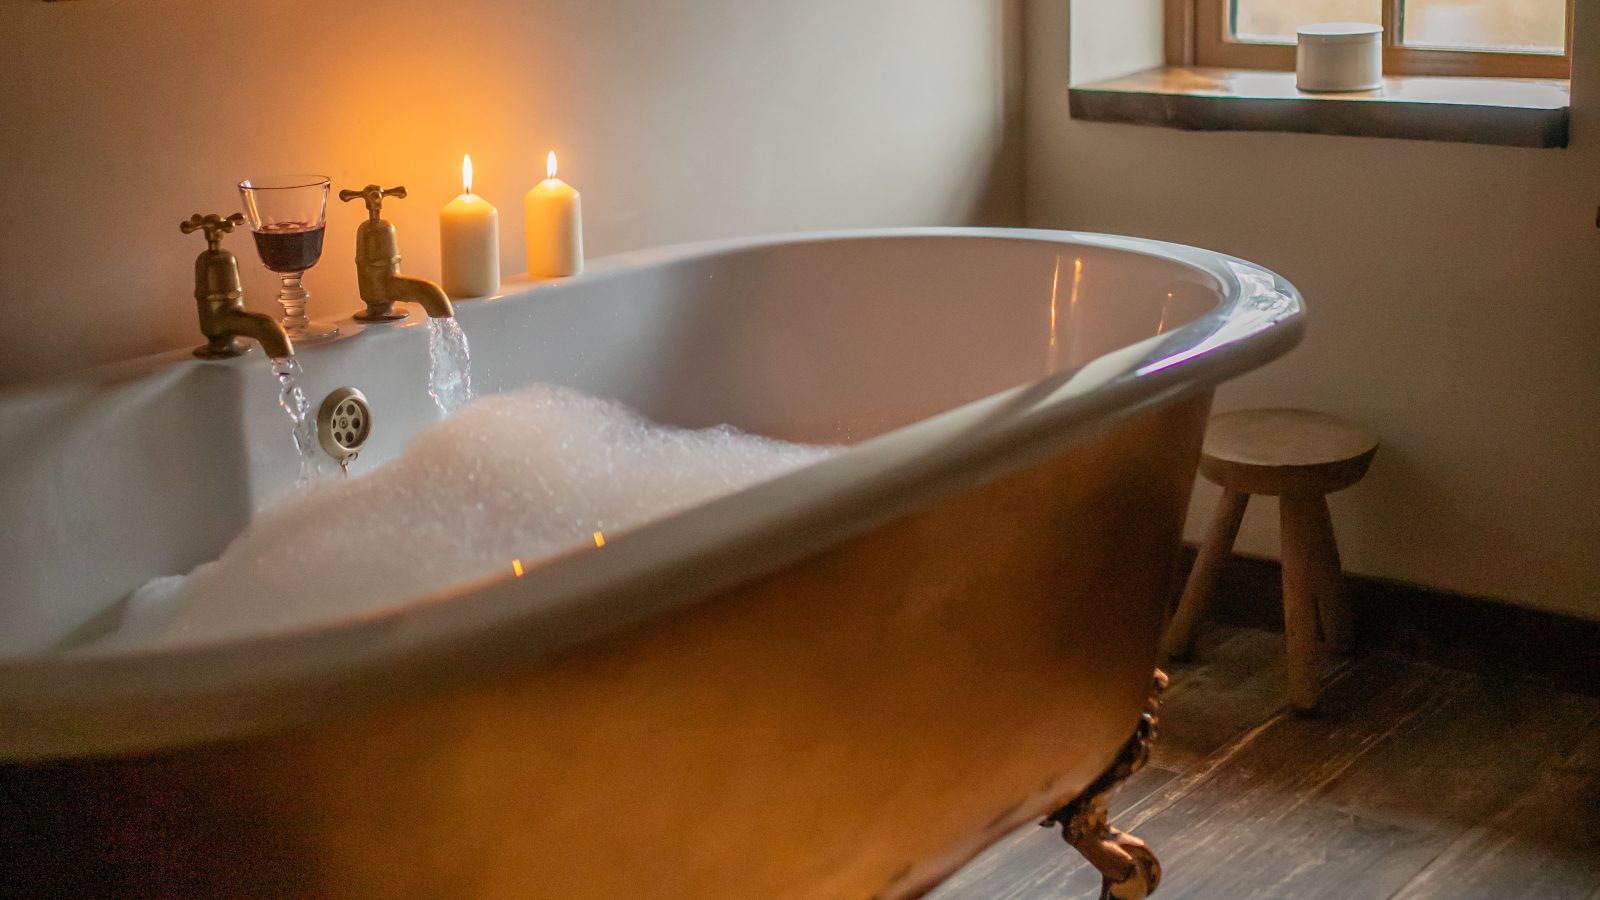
(845, 682)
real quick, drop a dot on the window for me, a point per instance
(1505, 38)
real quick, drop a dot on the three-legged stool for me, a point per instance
(1300, 457)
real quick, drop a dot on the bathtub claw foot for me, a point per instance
(1128, 869)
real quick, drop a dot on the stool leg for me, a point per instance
(1333, 610)
(1310, 582)
(1202, 585)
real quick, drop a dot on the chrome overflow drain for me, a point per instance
(343, 425)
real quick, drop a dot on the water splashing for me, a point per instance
(298, 408)
(450, 373)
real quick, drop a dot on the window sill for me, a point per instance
(1511, 112)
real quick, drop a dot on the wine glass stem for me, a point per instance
(292, 296)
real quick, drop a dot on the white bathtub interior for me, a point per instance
(151, 468)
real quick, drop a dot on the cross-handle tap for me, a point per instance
(373, 195)
(378, 265)
(220, 297)
(214, 226)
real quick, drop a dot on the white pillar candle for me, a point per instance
(554, 226)
(469, 242)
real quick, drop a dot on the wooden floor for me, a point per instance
(1415, 782)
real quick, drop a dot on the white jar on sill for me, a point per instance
(1339, 56)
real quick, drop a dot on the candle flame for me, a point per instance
(599, 539)
(516, 566)
(466, 173)
(550, 165)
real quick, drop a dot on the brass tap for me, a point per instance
(378, 265)
(220, 297)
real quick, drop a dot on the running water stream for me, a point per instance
(287, 372)
(450, 369)
(449, 384)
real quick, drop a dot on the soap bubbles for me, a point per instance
(515, 476)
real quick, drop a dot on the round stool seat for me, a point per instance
(1285, 451)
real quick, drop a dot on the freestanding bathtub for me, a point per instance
(842, 683)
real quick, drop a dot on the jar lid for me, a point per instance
(1339, 33)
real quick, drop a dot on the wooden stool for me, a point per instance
(1299, 456)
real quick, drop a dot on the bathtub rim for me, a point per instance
(61, 705)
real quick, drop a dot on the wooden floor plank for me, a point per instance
(1474, 756)
(1235, 683)
(1309, 853)
(1545, 845)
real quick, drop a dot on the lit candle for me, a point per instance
(469, 242)
(554, 226)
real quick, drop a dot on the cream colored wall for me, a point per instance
(678, 119)
(1112, 38)
(1455, 308)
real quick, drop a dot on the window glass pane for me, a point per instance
(1532, 26)
(1275, 21)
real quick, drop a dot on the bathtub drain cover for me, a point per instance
(343, 424)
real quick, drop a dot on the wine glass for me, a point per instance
(288, 214)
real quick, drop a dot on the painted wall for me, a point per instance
(678, 119)
(1455, 308)
(1112, 38)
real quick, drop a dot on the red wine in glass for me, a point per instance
(289, 247)
(286, 213)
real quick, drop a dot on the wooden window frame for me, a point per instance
(1198, 34)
